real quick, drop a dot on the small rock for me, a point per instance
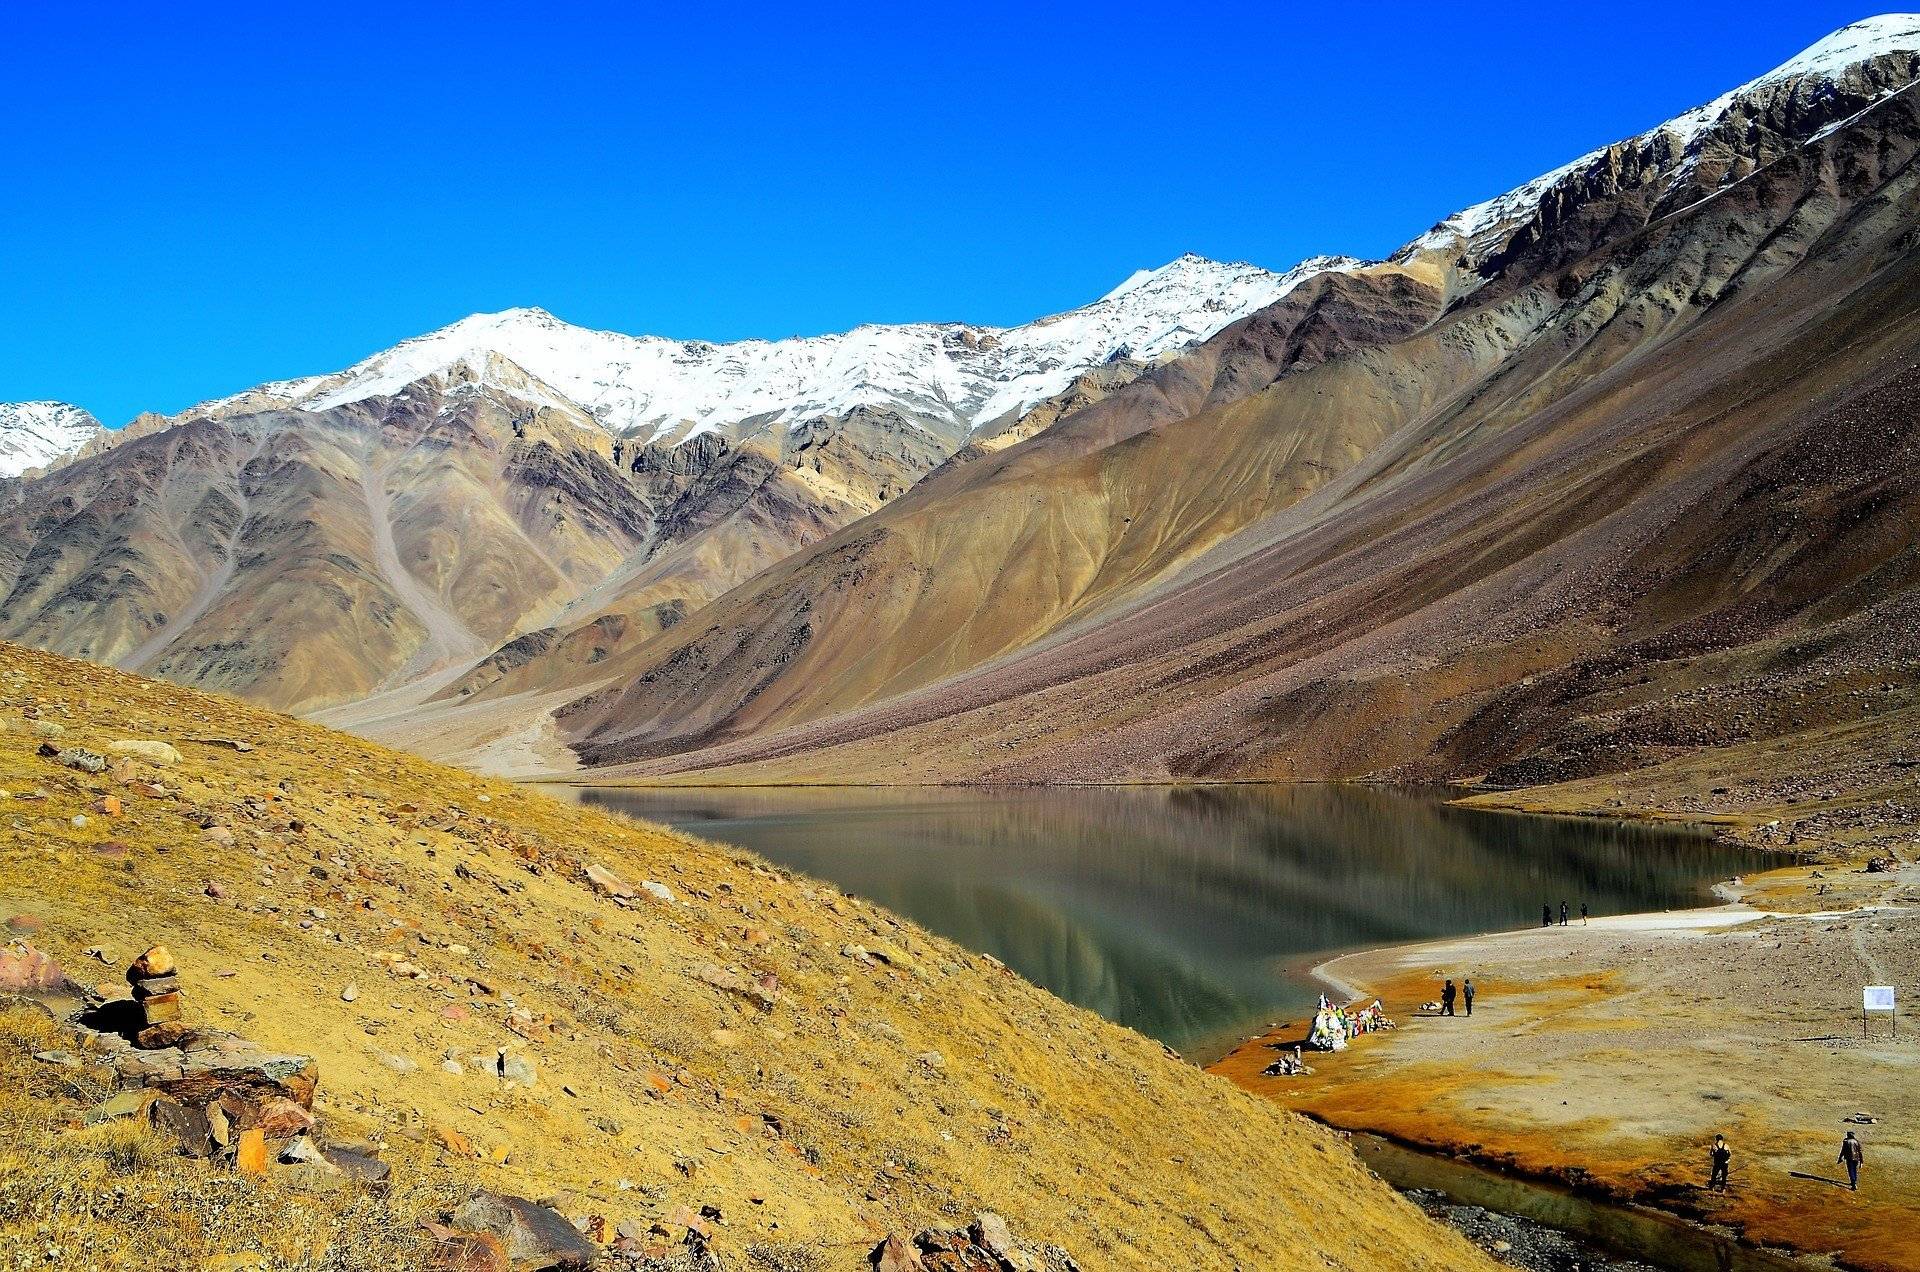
(164, 1034)
(658, 891)
(157, 961)
(49, 728)
(895, 1255)
(515, 1067)
(607, 883)
(350, 993)
(86, 761)
(399, 1063)
(302, 1149)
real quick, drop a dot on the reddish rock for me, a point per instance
(278, 1117)
(469, 1252)
(106, 806)
(170, 1033)
(26, 970)
(895, 1255)
(25, 925)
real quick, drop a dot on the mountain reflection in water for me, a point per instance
(1193, 913)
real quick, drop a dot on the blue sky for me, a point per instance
(196, 197)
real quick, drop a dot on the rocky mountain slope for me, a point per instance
(1587, 478)
(649, 1031)
(36, 434)
(1601, 474)
(513, 486)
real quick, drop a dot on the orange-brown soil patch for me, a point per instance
(1608, 1056)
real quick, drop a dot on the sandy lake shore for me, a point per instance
(1608, 1055)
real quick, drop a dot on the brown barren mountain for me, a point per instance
(1643, 490)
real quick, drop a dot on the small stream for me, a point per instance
(1633, 1233)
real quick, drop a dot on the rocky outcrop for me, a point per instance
(986, 1245)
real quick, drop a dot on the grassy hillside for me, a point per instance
(908, 1087)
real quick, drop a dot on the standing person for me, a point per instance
(1852, 1154)
(1583, 914)
(1546, 915)
(1466, 992)
(1446, 999)
(1563, 914)
(1721, 1157)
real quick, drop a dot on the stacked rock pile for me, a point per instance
(156, 991)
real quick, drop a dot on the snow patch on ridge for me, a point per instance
(36, 434)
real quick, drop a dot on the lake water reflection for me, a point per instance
(1192, 914)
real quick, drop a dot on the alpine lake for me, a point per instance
(1195, 914)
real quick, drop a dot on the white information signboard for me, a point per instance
(1877, 998)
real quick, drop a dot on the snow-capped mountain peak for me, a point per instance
(951, 377)
(36, 434)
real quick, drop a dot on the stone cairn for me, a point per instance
(156, 991)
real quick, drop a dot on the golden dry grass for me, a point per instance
(874, 1095)
(113, 1195)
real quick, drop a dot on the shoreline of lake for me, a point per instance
(1585, 1065)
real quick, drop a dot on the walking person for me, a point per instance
(1466, 992)
(1721, 1157)
(1583, 914)
(1446, 999)
(1852, 1154)
(1546, 915)
(1563, 914)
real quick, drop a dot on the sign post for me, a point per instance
(1878, 998)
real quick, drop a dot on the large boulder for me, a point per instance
(537, 1237)
(152, 752)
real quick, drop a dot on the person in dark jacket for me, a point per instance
(1466, 992)
(1546, 915)
(1563, 914)
(1852, 1154)
(1446, 999)
(1721, 1157)
(1583, 914)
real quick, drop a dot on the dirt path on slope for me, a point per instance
(1607, 1057)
